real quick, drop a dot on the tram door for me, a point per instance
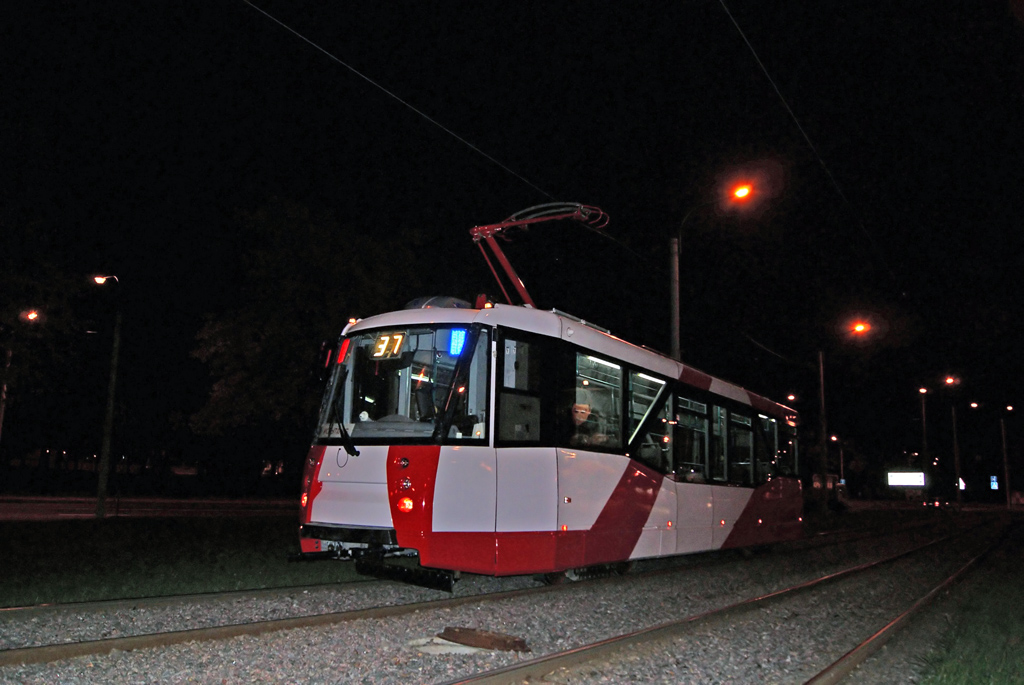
(526, 506)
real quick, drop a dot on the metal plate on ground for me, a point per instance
(485, 639)
(435, 645)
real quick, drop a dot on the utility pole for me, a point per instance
(823, 456)
(674, 258)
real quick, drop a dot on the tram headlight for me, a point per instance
(405, 504)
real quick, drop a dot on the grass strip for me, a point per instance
(88, 559)
(985, 643)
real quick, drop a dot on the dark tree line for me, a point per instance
(302, 274)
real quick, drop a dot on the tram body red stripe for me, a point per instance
(773, 514)
(612, 537)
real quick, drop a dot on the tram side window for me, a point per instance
(787, 462)
(649, 427)
(765, 448)
(596, 404)
(691, 440)
(741, 450)
(520, 397)
(718, 444)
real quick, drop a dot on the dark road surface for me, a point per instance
(57, 508)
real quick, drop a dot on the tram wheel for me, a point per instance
(556, 578)
(622, 568)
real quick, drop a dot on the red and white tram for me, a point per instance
(508, 440)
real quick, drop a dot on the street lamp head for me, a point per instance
(951, 381)
(742, 191)
(30, 316)
(923, 391)
(100, 280)
(860, 327)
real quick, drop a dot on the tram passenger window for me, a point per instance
(765, 448)
(649, 413)
(519, 398)
(741, 450)
(718, 445)
(691, 441)
(596, 404)
(787, 462)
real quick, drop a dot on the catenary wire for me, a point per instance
(595, 229)
(810, 144)
(400, 100)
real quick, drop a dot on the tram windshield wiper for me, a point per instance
(335, 414)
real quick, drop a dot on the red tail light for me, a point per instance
(310, 485)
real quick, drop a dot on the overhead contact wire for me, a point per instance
(810, 144)
(392, 95)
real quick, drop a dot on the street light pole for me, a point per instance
(1006, 459)
(31, 316)
(924, 426)
(676, 246)
(956, 459)
(108, 422)
(741, 193)
(823, 457)
(3, 389)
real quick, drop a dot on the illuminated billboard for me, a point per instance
(906, 479)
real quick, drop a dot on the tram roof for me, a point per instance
(564, 326)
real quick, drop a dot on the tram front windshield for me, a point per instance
(401, 385)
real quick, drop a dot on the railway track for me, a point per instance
(602, 657)
(57, 652)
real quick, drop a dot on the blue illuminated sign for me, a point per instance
(994, 483)
(457, 341)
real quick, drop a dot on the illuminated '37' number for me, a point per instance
(388, 345)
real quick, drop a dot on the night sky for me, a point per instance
(133, 133)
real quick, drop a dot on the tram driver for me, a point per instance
(586, 423)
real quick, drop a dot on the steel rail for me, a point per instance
(539, 668)
(57, 652)
(28, 611)
(849, 662)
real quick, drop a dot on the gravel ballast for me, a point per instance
(378, 651)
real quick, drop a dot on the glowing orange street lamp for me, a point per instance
(28, 316)
(741, 192)
(860, 327)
